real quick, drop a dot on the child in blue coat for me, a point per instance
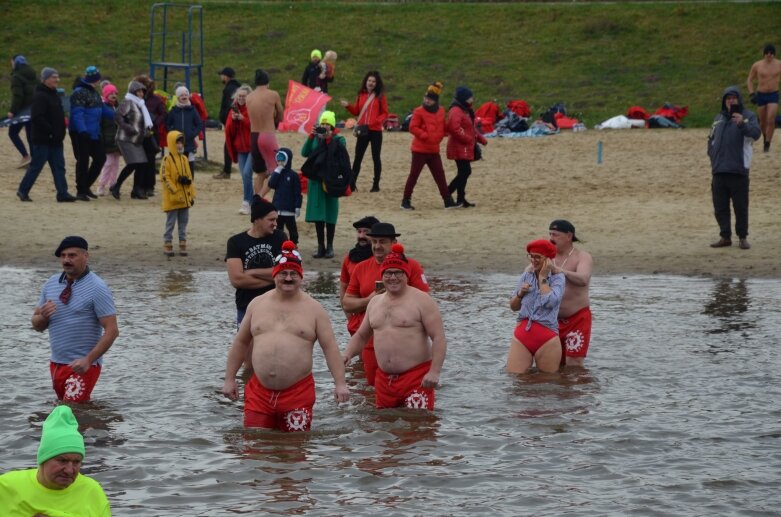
(287, 193)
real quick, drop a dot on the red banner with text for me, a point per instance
(302, 108)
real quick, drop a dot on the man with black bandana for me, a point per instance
(360, 252)
(251, 254)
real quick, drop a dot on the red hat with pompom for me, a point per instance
(396, 260)
(542, 247)
(290, 258)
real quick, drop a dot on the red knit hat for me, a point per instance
(395, 260)
(542, 247)
(290, 258)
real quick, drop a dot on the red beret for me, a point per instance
(542, 247)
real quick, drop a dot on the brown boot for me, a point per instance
(721, 243)
(168, 249)
(183, 248)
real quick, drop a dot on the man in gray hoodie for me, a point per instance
(730, 142)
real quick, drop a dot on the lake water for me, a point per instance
(676, 413)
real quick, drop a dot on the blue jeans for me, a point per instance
(41, 154)
(13, 134)
(245, 168)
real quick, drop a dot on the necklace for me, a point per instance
(567, 258)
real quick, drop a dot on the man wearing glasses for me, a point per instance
(366, 283)
(77, 308)
(409, 338)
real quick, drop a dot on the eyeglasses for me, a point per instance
(392, 274)
(535, 257)
(288, 273)
(66, 293)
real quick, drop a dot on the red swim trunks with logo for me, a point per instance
(575, 334)
(288, 410)
(403, 389)
(71, 386)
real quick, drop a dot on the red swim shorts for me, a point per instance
(575, 333)
(369, 363)
(71, 386)
(288, 410)
(535, 337)
(403, 389)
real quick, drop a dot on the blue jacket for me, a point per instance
(186, 120)
(87, 109)
(286, 185)
(730, 145)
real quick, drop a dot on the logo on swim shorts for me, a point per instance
(74, 387)
(416, 400)
(574, 341)
(297, 420)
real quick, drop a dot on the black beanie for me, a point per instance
(261, 77)
(260, 208)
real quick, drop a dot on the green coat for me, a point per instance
(320, 207)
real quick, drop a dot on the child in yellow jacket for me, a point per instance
(178, 193)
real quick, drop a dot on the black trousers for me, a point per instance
(458, 185)
(288, 223)
(85, 149)
(726, 188)
(226, 168)
(375, 139)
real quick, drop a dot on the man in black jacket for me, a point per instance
(47, 134)
(227, 75)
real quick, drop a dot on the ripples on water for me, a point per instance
(677, 412)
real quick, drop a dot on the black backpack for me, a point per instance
(330, 164)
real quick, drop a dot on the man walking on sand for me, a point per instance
(281, 328)
(409, 338)
(264, 108)
(766, 72)
(574, 312)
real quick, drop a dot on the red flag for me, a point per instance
(302, 108)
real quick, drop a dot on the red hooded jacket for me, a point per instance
(237, 133)
(462, 135)
(428, 130)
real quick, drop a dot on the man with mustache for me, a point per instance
(77, 308)
(280, 329)
(360, 252)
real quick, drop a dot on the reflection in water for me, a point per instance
(323, 283)
(730, 301)
(176, 283)
(547, 393)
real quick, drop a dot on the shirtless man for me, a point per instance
(574, 313)
(766, 72)
(402, 320)
(282, 326)
(366, 282)
(264, 108)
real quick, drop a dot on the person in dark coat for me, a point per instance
(227, 76)
(47, 132)
(184, 118)
(23, 83)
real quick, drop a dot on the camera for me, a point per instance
(320, 130)
(184, 180)
(734, 109)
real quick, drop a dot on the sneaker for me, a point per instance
(91, 194)
(244, 210)
(24, 163)
(101, 191)
(23, 197)
(467, 204)
(114, 189)
(81, 196)
(66, 198)
(406, 204)
(449, 203)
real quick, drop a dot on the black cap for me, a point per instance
(366, 222)
(564, 226)
(383, 230)
(73, 241)
(230, 72)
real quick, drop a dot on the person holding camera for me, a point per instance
(238, 136)
(178, 193)
(730, 147)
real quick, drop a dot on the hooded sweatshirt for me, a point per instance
(287, 186)
(729, 145)
(173, 167)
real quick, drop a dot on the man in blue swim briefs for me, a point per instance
(766, 73)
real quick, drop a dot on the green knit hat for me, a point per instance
(60, 435)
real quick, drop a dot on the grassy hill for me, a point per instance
(598, 59)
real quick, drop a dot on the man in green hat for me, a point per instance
(56, 487)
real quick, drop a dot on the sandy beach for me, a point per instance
(646, 209)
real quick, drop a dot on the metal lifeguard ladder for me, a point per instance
(176, 43)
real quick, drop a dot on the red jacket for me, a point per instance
(428, 130)
(237, 133)
(462, 135)
(374, 115)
